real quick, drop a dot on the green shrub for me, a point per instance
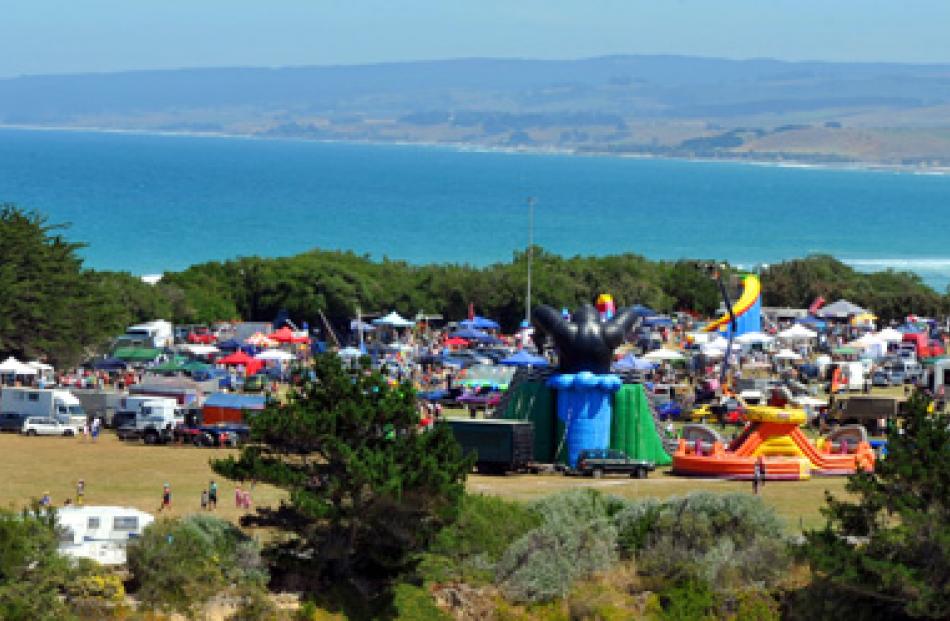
(179, 564)
(414, 603)
(576, 538)
(690, 600)
(727, 540)
(468, 549)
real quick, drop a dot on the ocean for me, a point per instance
(148, 203)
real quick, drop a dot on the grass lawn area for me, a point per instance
(116, 473)
(132, 474)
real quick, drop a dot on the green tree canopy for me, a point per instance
(368, 490)
(887, 552)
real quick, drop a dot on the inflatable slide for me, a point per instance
(747, 309)
(773, 435)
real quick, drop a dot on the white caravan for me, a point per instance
(100, 533)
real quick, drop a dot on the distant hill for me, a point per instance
(662, 105)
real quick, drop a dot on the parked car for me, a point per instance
(598, 462)
(887, 377)
(42, 426)
(12, 421)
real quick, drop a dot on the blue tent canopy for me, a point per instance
(524, 359)
(109, 364)
(658, 322)
(230, 345)
(479, 323)
(643, 311)
(814, 322)
(470, 334)
(631, 362)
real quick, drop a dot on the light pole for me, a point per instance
(527, 300)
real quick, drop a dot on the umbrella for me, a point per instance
(480, 323)
(356, 326)
(393, 320)
(664, 354)
(238, 357)
(842, 309)
(231, 344)
(658, 322)
(349, 352)
(524, 359)
(286, 335)
(455, 341)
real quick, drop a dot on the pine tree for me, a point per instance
(367, 489)
(887, 552)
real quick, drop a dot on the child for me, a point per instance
(80, 491)
(204, 500)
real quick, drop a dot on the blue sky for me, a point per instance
(43, 36)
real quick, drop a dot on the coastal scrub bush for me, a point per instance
(725, 540)
(177, 565)
(468, 549)
(576, 538)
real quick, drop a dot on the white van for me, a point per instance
(45, 403)
(158, 334)
(100, 533)
(853, 376)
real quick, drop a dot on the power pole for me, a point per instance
(527, 300)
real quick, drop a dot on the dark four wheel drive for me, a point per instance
(597, 463)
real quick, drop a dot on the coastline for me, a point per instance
(462, 147)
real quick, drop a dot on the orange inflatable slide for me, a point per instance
(774, 435)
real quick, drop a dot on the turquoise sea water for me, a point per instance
(149, 203)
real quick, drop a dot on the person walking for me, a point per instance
(80, 491)
(95, 428)
(758, 475)
(204, 500)
(212, 495)
(166, 498)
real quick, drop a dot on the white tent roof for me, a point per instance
(274, 354)
(750, 338)
(199, 349)
(349, 352)
(891, 335)
(39, 366)
(12, 366)
(787, 354)
(394, 320)
(867, 340)
(842, 309)
(799, 332)
(664, 354)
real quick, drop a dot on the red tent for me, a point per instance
(454, 341)
(286, 335)
(239, 358)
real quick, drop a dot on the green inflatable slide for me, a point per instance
(632, 427)
(535, 402)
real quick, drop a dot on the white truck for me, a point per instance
(158, 334)
(151, 419)
(43, 402)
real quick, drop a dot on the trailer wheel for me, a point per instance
(641, 473)
(68, 433)
(150, 437)
(597, 473)
(31, 432)
(196, 440)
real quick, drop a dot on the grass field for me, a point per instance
(118, 473)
